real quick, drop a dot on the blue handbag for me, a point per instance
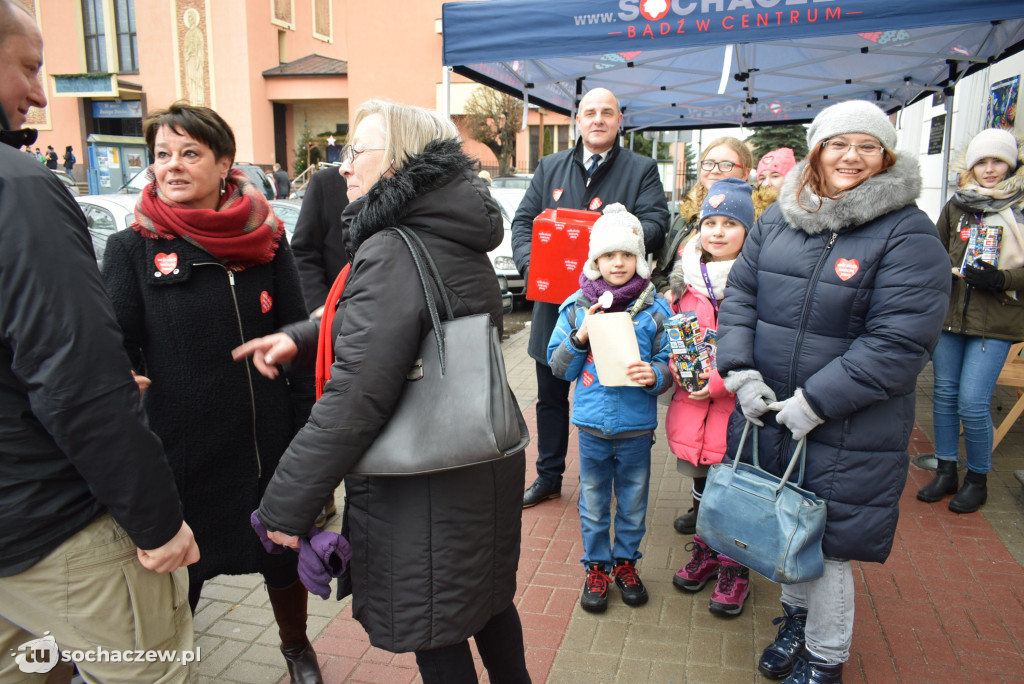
(764, 522)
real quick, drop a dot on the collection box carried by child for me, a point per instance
(693, 350)
(558, 250)
(982, 245)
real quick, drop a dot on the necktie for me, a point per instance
(594, 161)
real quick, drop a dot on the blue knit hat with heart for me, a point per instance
(729, 197)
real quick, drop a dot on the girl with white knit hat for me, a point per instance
(831, 311)
(986, 314)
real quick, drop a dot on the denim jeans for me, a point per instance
(966, 368)
(625, 466)
(829, 604)
(552, 425)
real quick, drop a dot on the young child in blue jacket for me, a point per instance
(616, 424)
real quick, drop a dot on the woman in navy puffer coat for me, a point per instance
(833, 308)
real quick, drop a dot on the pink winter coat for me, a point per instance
(697, 429)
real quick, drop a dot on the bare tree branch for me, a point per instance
(494, 119)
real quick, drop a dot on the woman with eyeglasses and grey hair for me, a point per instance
(434, 556)
(834, 306)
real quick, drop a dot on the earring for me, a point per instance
(223, 186)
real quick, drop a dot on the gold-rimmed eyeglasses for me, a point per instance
(863, 149)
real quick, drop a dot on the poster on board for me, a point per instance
(1002, 103)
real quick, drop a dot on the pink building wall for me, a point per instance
(392, 47)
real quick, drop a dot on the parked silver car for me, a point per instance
(106, 215)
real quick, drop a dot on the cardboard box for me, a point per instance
(558, 251)
(693, 352)
(982, 245)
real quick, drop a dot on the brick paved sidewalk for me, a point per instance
(948, 606)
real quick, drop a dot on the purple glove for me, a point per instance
(323, 556)
(261, 532)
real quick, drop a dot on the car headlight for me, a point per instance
(504, 263)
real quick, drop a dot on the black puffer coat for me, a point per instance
(847, 304)
(434, 556)
(224, 425)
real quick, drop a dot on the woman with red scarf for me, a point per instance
(205, 269)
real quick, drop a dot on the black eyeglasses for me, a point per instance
(723, 166)
(350, 152)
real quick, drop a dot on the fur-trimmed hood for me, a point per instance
(435, 191)
(880, 194)
(1012, 184)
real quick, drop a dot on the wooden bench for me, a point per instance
(1012, 375)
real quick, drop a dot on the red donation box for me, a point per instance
(561, 240)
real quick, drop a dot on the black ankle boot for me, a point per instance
(778, 657)
(687, 522)
(812, 669)
(945, 482)
(289, 606)
(972, 495)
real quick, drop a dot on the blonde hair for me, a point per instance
(407, 130)
(737, 146)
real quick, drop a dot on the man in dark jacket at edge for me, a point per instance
(571, 179)
(319, 239)
(282, 181)
(89, 513)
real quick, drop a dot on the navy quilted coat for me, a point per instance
(846, 303)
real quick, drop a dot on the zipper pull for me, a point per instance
(832, 240)
(231, 278)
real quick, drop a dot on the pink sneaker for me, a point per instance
(702, 566)
(731, 590)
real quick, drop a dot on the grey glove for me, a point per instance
(796, 414)
(753, 396)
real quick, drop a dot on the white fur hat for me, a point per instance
(617, 230)
(993, 142)
(853, 116)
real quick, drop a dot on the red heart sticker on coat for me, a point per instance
(715, 200)
(266, 302)
(556, 194)
(965, 234)
(595, 204)
(847, 268)
(587, 379)
(166, 263)
(590, 357)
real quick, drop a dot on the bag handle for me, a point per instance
(411, 241)
(799, 455)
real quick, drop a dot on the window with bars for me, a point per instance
(95, 34)
(127, 48)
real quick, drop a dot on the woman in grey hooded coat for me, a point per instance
(834, 307)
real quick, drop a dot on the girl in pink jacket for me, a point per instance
(697, 421)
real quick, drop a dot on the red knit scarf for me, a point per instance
(241, 232)
(325, 343)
